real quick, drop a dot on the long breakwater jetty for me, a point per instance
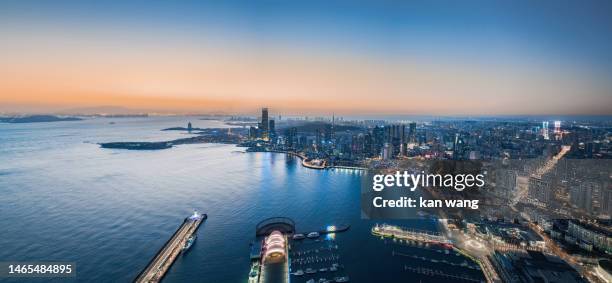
(163, 260)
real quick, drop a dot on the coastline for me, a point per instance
(305, 161)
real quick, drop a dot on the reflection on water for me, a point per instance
(64, 198)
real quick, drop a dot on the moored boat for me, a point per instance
(341, 279)
(313, 235)
(189, 242)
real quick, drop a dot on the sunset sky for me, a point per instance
(312, 57)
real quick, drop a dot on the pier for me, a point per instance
(161, 262)
(330, 230)
(386, 230)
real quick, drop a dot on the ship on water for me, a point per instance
(189, 242)
(196, 216)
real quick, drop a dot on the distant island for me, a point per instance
(37, 119)
(209, 135)
(137, 145)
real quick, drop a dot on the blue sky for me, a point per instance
(520, 36)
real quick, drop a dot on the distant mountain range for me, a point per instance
(37, 119)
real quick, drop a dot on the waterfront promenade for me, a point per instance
(457, 244)
(385, 230)
(318, 164)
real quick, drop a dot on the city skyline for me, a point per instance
(413, 58)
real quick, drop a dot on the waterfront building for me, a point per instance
(253, 133)
(272, 130)
(275, 248)
(533, 267)
(290, 138)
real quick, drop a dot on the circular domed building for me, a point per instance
(275, 248)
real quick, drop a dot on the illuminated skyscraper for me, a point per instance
(545, 130)
(557, 127)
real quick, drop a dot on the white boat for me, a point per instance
(313, 235)
(298, 236)
(342, 279)
(189, 242)
(310, 271)
(298, 273)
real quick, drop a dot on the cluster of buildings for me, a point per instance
(545, 172)
(530, 266)
(355, 141)
(265, 130)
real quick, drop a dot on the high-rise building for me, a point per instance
(329, 133)
(272, 130)
(387, 151)
(265, 134)
(318, 139)
(253, 133)
(582, 195)
(606, 201)
(541, 190)
(291, 141)
(557, 127)
(412, 132)
(545, 130)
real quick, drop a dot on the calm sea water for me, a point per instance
(62, 198)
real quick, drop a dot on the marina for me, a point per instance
(279, 254)
(430, 243)
(318, 260)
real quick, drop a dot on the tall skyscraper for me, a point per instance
(291, 138)
(545, 130)
(412, 132)
(557, 127)
(387, 151)
(265, 126)
(272, 130)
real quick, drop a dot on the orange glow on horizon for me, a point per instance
(201, 80)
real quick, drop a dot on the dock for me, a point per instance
(396, 232)
(163, 260)
(330, 230)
